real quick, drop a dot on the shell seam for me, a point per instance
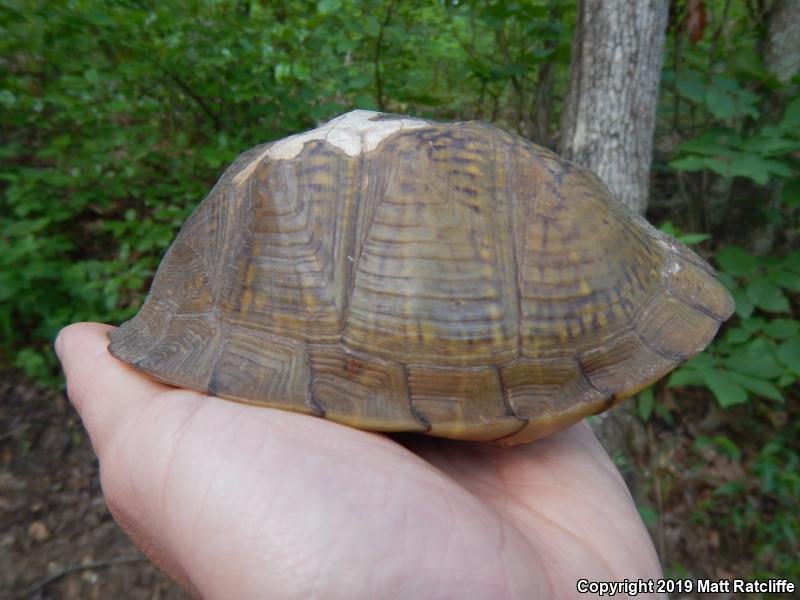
(668, 355)
(313, 403)
(421, 419)
(699, 308)
(607, 395)
(512, 214)
(350, 254)
(507, 399)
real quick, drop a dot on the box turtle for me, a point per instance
(397, 274)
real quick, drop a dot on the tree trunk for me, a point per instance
(782, 59)
(607, 125)
(783, 44)
(609, 116)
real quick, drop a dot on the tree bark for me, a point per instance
(609, 116)
(783, 43)
(782, 59)
(607, 125)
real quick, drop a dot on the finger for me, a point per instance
(103, 390)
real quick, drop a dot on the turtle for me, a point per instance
(397, 274)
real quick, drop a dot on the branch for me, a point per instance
(199, 100)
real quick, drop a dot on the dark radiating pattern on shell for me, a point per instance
(402, 275)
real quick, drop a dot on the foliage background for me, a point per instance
(117, 117)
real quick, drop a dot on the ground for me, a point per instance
(57, 538)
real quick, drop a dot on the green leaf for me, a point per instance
(729, 488)
(760, 387)
(786, 279)
(690, 239)
(327, 7)
(720, 103)
(645, 403)
(767, 296)
(720, 443)
(736, 261)
(737, 335)
(708, 145)
(770, 142)
(727, 392)
(792, 261)
(669, 228)
(744, 308)
(791, 193)
(754, 324)
(727, 280)
(791, 116)
(756, 168)
(761, 363)
(686, 376)
(691, 86)
(782, 329)
(789, 354)
(648, 514)
(663, 413)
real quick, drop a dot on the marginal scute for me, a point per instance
(257, 368)
(183, 352)
(673, 328)
(698, 288)
(133, 341)
(539, 387)
(396, 274)
(624, 363)
(549, 394)
(361, 391)
(461, 403)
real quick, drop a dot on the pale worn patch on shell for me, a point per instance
(667, 244)
(353, 133)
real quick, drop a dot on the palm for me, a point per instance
(237, 501)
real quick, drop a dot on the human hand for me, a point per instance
(236, 501)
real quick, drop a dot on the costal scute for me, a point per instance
(397, 274)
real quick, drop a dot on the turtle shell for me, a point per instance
(396, 274)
